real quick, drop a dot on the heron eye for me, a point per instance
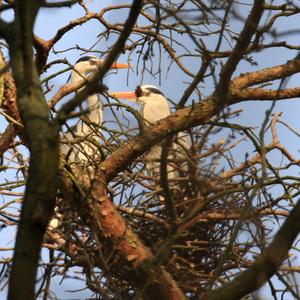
(93, 62)
(138, 92)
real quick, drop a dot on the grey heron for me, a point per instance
(155, 107)
(83, 151)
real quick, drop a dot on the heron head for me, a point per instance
(145, 94)
(89, 63)
(148, 91)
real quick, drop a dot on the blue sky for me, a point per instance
(172, 83)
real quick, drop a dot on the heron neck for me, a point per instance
(95, 109)
(77, 76)
(95, 114)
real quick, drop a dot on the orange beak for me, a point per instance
(124, 95)
(115, 65)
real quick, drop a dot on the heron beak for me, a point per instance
(124, 95)
(117, 65)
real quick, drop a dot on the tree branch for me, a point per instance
(265, 266)
(241, 46)
(42, 138)
(268, 74)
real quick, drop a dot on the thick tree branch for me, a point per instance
(241, 46)
(265, 266)
(158, 282)
(266, 94)
(42, 138)
(262, 76)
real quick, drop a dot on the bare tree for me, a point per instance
(225, 225)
